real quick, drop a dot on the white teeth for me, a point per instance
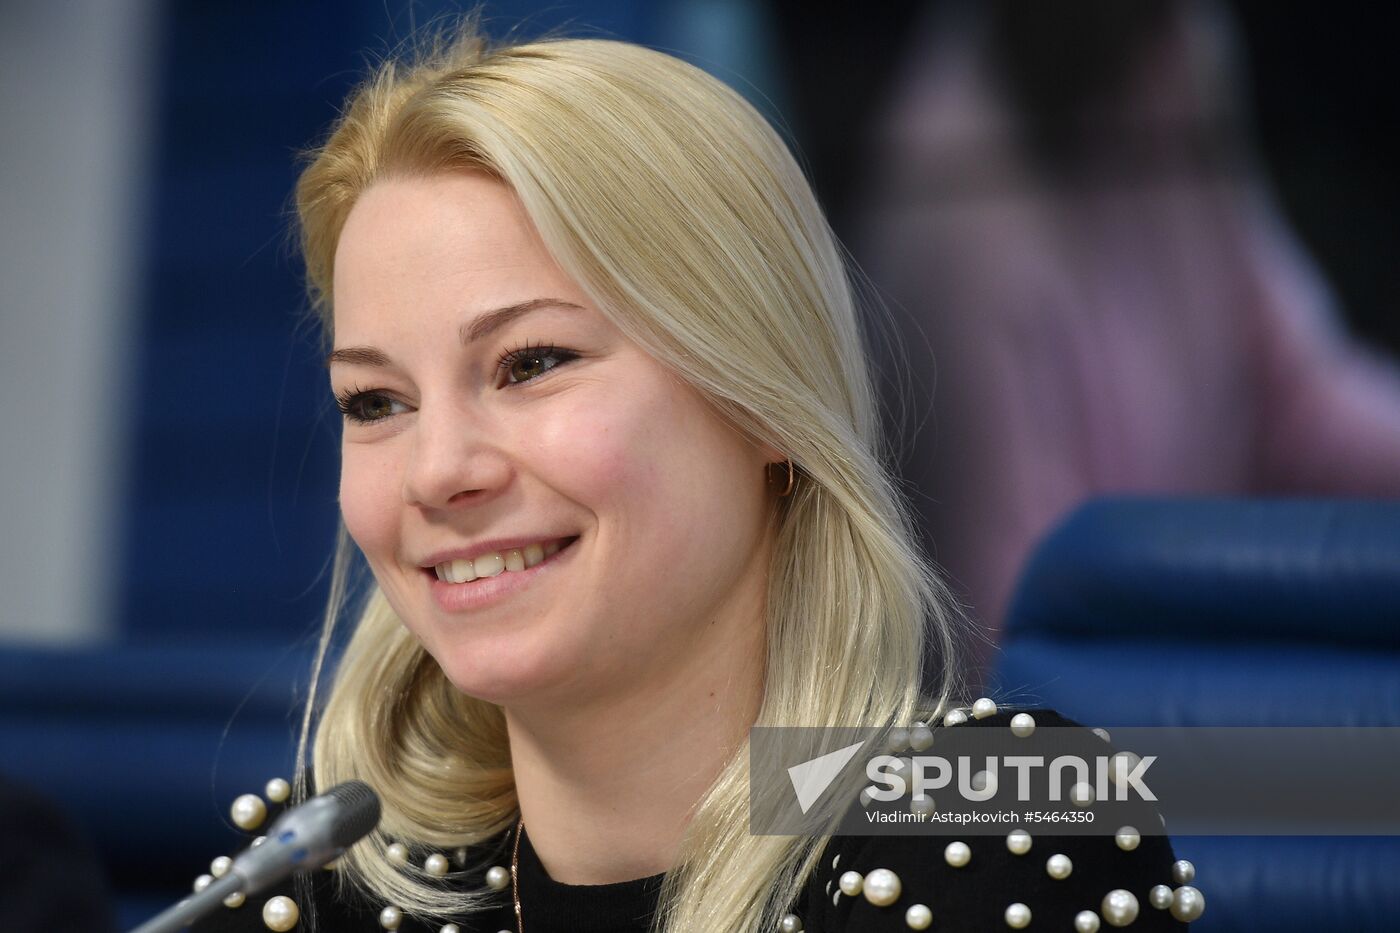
(489, 565)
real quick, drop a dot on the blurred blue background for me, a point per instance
(170, 461)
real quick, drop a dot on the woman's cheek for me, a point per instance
(367, 504)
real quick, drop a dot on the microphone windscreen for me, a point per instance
(359, 812)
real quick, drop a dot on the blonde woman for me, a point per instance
(611, 453)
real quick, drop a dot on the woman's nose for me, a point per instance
(452, 460)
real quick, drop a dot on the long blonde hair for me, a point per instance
(680, 211)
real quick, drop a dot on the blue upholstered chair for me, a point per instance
(1228, 612)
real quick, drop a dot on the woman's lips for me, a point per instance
(484, 592)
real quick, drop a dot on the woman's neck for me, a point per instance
(606, 788)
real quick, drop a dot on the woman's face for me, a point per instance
(494, 436)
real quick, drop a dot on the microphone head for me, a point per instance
(358, 813)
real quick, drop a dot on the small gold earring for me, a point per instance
(791, 478)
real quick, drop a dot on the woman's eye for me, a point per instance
(365, 407)
(527, 363)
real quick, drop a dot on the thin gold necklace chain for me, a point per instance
(515, 875)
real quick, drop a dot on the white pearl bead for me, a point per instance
(1018, 916)
(1188, 903)
(1183, 872)
(1103, 734)
(1119, 907)
(397, 853)
(851, 883)
(1022, 725)
(390, 918)
(835, 898)
(957, 854)
(882, 887)
(202, 882)
(1125, 760)
(497, 878)
(955, 717)
(920, 738)
(277, 790)
(790, 924)
(435, 865)
(220, 866)
(983, 708)
(1160, 897)
(1082, 794)
(1059, 867)
(257, 842)
(281, 914)
(1127, 838)
(897, 740)
(1018, 842)
(248, 811)
(235, 899)
(836, 860)
(1086, 921)
(450, 928)
(984, 781)
(918, 917)
(922, 804)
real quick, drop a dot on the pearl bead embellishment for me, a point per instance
(921, 804)
(202, 882)
(1082, 795)
(397, 853)
(1018, 916)
(1188, 903)
(1059, 867)
(450, 928)
(280, 914)
(882, 887)
(1086, 921)
(1183, 872)
(435, 865)
(1022, 725)
(390, 918)
(920, 738)
(248, 811)
(1127, 838)
(918, 917)
(1018, 842)
(220, 866)
(497, 878)
(1119, 907)
(1160, 897)
(983, 708)
(277, 790)
(955, 717)
(790, 924)
(851, 883)
(957, 854)
(235, 899)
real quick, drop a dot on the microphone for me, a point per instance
(303, 838)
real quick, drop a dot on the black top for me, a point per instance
(973, 898)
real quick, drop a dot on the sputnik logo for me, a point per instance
(811, 778)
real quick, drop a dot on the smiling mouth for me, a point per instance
(486, 566)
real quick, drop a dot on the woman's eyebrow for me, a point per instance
(490, 321)
(483, 325)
